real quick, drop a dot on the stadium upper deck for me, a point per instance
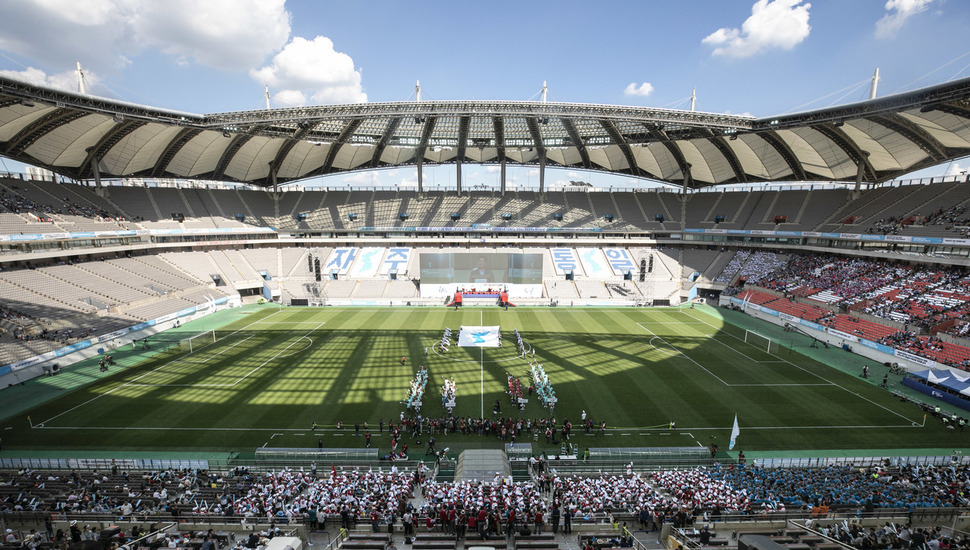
(85, 137)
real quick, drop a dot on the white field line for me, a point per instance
(277, 356)
(307, 338)
(265, 322)
(883, 407)
(742, 354)
(755, 385)
(220, 352)
(678, 352)
(664, 323)
(146, 374)
(279, 353)
(664, 431)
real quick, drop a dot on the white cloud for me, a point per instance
(641, 90)
(410, 179)
(224, 34)
(492, 169)
(773, 24)
(106, 35)
(572, 174)
(289, 98)
(66, 80)
(314, 68)
(954, 169)
(899, 12)
(368, 176)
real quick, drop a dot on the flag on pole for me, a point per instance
(735, 432)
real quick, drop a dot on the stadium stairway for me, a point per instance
(482, 465)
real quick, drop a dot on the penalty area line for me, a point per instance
(174, 361)
(819, 376)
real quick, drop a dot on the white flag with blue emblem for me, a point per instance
(735, 432)
(478, 337)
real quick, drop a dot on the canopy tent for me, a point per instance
(945, 379)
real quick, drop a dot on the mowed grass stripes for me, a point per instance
(273, 374)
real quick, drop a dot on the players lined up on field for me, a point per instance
(505, 428)
(416, 388)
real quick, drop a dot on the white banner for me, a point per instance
(563, 260)
(843, 335)
(620, 260)
(340, 260)
(594, 264)
(396, 258)
(929, 363)
(447, 290)
(367, 263)
(478, 337)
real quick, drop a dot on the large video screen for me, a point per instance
(481, 268)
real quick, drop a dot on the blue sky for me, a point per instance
(761, 57)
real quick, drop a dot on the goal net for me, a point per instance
(760, 341)
(198, 341)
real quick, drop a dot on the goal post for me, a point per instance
(760, 341)
(200, 340)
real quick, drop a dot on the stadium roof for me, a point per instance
(74, 135)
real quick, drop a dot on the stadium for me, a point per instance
(768, 348)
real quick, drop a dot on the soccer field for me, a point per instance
(271, 374)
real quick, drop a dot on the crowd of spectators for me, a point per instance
(892, 536)
(698, 489)
(19, 204)
(909, 487)
(452, 504)
(848, 278)
(733, 266)
(289, 495)
(960, 329)
(16, 204)
(919, 297)
(65, 336)
(955, 216)
(502, 427)
(886, 226)
(592, 495)
(952, 218)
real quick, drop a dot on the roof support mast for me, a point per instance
(266, 93)
(875, 84)
(82, 87)
(420, 151)
(542, 150)
(693, 99)
(96, 171)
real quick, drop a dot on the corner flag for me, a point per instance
(735, 432)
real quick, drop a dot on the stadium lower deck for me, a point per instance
(832, 451)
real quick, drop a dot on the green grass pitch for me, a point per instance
(273, 373)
